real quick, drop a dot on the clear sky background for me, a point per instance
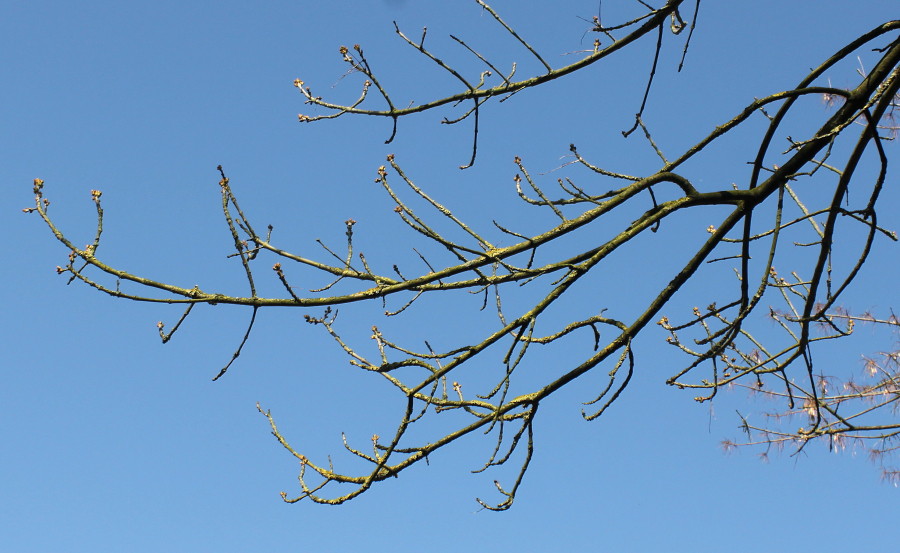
(113, 442)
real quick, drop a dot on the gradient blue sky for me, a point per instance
(113, 442)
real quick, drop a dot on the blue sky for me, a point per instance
(117, 443)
